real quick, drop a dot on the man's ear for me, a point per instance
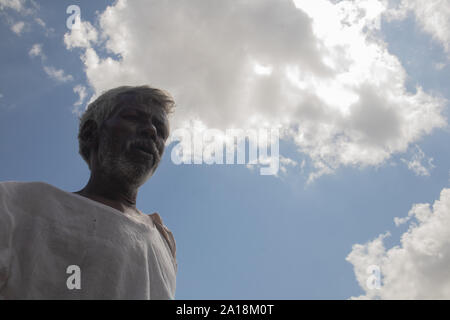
(89, 132)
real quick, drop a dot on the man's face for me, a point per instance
(132, 141)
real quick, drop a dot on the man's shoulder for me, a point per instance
(31, 195)
(165, 232)
(13, 183)
(22, 188)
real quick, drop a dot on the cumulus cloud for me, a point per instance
(419, 163)
(287, 162)
(17, 5)
(54, 73)
(48, 31)
(418, 267)
(57, 74)
(20, 6)
(40, 22)
(82, 94)
(18, 27)
(317, 69)
(433, 16)
(36, 51)
(82, 37)
(28, 10)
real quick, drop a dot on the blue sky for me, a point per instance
(240, 235)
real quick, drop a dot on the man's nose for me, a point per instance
(148, 130)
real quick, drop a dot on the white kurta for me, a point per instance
(44, 230)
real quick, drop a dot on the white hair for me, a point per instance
(105, 105)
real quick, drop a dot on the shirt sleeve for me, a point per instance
(6, 231)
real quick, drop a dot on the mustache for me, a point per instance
(147, 145)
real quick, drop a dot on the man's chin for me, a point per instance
(133, 176)
(131, 169)
(138, 179)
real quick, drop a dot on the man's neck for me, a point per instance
(117, 195)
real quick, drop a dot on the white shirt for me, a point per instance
(44, 230)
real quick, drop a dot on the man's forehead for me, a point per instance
(132, 102)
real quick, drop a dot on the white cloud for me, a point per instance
(40, 22)
(82, 94)
(57, 74)
(17, 5)
(54, 73)
(399, 221)
(48, 31)
(18, 27)
(321, 71)
(433, 16)
(24, 8)
(415, 163)
(418, 267)
(286, 162)
(36, 51)
(83, 36)
(28, 10)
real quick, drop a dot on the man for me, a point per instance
(94, 243)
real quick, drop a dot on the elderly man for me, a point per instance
(94, 243)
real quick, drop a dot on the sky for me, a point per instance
(358, 90)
